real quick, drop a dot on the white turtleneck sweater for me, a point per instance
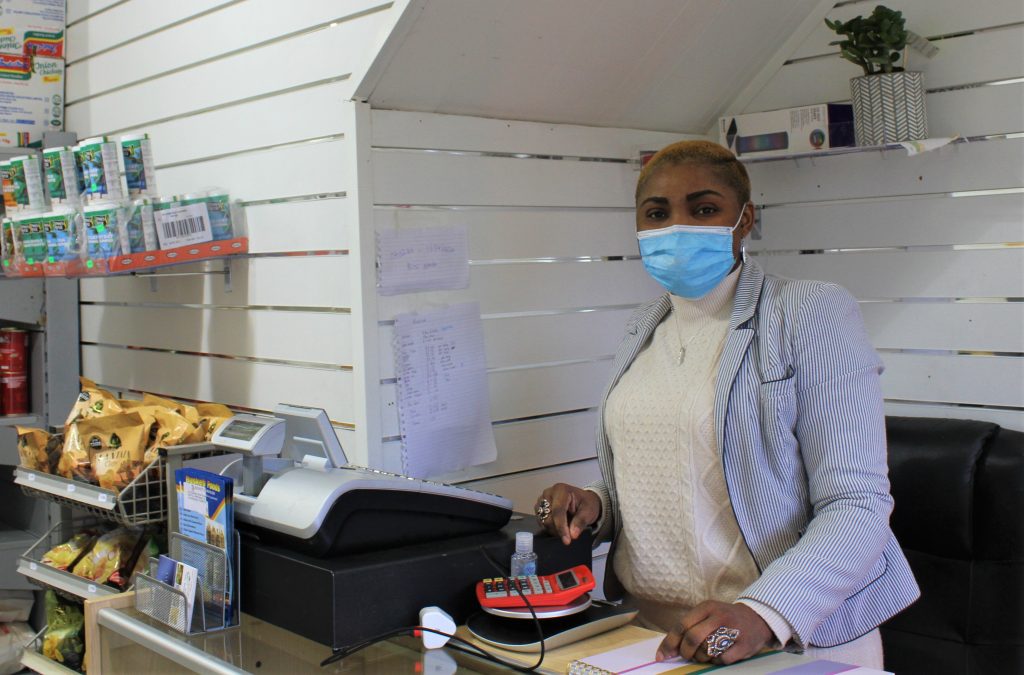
(680, 542)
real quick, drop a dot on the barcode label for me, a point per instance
(183, 226)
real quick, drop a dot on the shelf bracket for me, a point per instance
(152, 283)
(227, 275)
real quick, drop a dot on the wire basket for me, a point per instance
(211, 609)
(64, 582)
(143, 501)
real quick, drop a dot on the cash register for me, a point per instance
(338, 553)
(298, 490)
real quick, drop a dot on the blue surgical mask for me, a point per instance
(688, 260)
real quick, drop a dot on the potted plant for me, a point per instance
(888, 102)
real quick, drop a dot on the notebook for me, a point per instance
(635, 659)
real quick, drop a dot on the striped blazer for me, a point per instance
(800, 424)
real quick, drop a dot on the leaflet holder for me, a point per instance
(212, 608)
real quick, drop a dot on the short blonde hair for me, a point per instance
(705, 153)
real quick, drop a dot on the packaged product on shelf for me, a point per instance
(219, 206)
(138, 232)
(32, 448)
(102, 231)
(29, 238)
(92, 402)
(64, 640)
(27, 179)
(14, 363)
(180, 222)
(116, 446)
(74, 457)
(169, 429)
(7, 242)
(97, 160)
(33, 27)
(64, 182)
(63, 230)
(10, 204)
(150, 551)
(211, 416)
(185, 410)
(196, 218)
(110, 559)
(33, 97)
(139, 172)
(66, 555)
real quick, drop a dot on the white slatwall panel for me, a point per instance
(967, 326)
(81, 9)
(530, 218)
(256, 334)
(980, 219)
(233, 382)
(251, 96)
(305, 281)
(886, 226)
(168, 26)
(523, 488)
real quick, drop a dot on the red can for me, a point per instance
(13, 371)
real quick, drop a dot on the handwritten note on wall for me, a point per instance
(422, 259)
(443, 404)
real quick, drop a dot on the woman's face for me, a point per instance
(691, 194)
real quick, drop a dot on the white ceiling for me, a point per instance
(668, 65)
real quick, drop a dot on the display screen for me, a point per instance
(241, 431)
(567, 580)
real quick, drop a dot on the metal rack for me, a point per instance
(210, 610)
(141, 502)
(64, 582)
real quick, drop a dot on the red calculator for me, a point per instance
(549, 590)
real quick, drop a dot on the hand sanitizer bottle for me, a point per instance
(524, 560)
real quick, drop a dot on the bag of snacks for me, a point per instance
(116, 445)
(32, 446)
(211, 416)
(63, 556)
(63, 641)
(110, 557)
(92, 402)
(74, 460)
(169, 429)
(188, 412)
(151, 551)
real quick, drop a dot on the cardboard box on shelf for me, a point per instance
(31, 98)
(788, 132)
(32, 27)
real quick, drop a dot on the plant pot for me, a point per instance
(888, 108)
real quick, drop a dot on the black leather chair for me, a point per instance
(959, 516)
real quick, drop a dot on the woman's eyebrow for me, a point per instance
(700, 193)
(656, 200)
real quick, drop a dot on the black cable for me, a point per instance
(465, 647)
(526, 601)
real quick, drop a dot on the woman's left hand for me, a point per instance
(687, 638)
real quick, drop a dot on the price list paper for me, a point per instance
(422, 259)
(443, 402)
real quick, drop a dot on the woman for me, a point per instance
(741, 442)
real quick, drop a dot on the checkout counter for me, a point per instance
(310, 584)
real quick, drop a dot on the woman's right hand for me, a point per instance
(572, 509)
